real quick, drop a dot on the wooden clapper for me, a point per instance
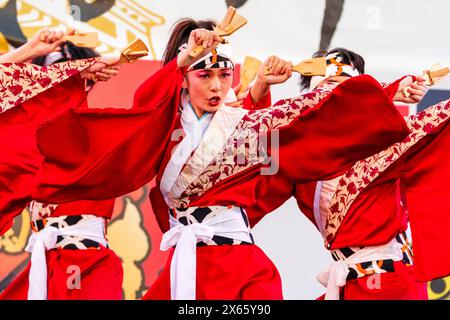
(432, 76)
(137, 49)
(232, 22)
(308, 67)
(249, 70)
(83, 39)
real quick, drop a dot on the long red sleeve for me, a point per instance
(112, 152)
(265, 102)
(109, 152)
(425, 180)
(316, 145)
(20, 82)
(19, 158)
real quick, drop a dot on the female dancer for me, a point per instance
(363, 213)
(96, 274)
(206, 180)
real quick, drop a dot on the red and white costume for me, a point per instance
(363, 214)
(30, 95)
(365, 209)
(204, 187)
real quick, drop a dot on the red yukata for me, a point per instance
(30, 95)
(377, 212)
(371, 204)
(212, 183)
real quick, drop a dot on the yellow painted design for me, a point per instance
(14, 241)
(123, 23)
(33, 19)
(107, 26)
(3, 44)
(439, 289)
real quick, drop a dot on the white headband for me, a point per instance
(221, 57)
(52, 57)
(335, 67)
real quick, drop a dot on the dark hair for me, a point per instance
(180, 34)
(349, 57)
(71, 51)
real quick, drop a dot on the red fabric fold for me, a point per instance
(424, 178)
(418, 178)
(19, 158)
(111, 152)
(257, 279)
(421, 174)
(355, 121)
(376, 216)
(265, 102)
(101, 276)
(392, 88)
(98, 208)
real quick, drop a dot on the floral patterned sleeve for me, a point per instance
(284, 111)
(366, 171)
(20, 82)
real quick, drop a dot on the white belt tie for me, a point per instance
(336, 274)
(39, 242)
(183, 267)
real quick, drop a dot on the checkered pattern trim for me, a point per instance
(377, 266)
(67, 242)
(198, 215)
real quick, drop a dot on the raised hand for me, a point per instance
(274, 70)
(41, 44)
(103, 70)
(45, 41)
(198, 37)
(415, 89)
